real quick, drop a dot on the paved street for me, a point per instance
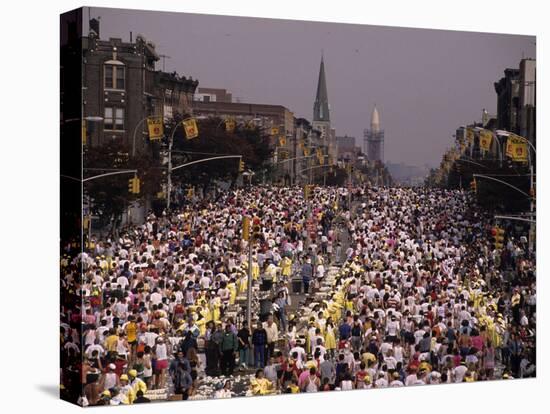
(410, 304)
(241, 238)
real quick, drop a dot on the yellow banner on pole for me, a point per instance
(485, 140)
(320, 156)
(306, 152)
(282, 140)
(274, 131)
(155, 127)
(470, 136)
(84, 133)
(190, 127)
(283, 154)
(516, 148)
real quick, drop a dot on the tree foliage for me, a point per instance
(109, 196)
(214, 140)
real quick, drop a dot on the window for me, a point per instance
(114, 76)
(119, 70)
(109, 76)
(114, 119)
(168, 115)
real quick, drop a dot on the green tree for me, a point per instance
(250, 143)
(108, 196)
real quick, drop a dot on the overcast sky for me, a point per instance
(425, 83)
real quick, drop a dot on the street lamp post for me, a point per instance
(531, 149)
(95, 177)
(134, 135)
(249, 287)
(169, 178)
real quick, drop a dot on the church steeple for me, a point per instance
(320, 107)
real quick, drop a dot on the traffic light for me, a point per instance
(256, 228)
(246, 228)
(499, 238)
(134, 185)
(473, 186)
(497, 234)
(241, 166)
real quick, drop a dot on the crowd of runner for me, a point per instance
(411, 291)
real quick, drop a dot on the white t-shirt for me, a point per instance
(161, 352)
(459, 373)
(95, 347)
(346, 385)
(110, 380)
(300, 351)
(156, 298)
(150, 338)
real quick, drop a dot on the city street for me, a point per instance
(237, 230)
(408, 291)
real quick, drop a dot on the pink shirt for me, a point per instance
(477, 342)
(302, 378)
(89, 319)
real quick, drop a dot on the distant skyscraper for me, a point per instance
(374, 138)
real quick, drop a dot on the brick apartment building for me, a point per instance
(122, 87)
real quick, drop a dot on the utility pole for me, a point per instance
(249, 288)
(532, 225)
(349, 189)
(169, 180)
(294, 160)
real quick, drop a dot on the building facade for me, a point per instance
(374, 138)
(213, 95)
(507, 89)
(527, 100)
(122, 88)
(516, 100)
(346, 148)
(265, 117)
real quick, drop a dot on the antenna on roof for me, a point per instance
(163, 60)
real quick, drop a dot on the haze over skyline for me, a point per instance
(425, 83)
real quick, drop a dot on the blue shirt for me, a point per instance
(307, 271)
(345, 331)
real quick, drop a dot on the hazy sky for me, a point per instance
(425, 83)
